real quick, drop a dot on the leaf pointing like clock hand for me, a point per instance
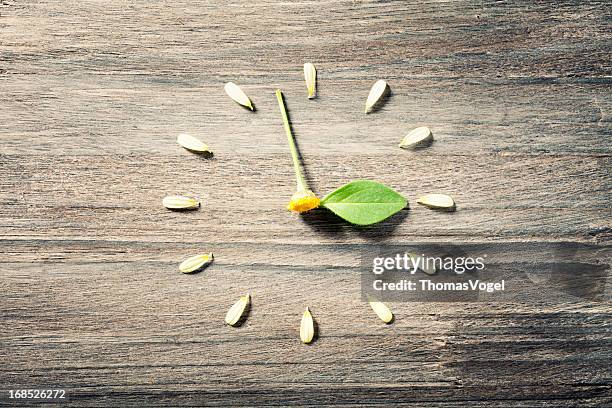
(364, 202)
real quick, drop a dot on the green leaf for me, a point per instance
(364, 202)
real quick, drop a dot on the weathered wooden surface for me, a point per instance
(92, 96)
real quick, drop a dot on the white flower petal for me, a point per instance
(377, 91)
(310, 75)
(418, 137)
(437, 201)
(238, 95)
(193, 144)
(381, 310)
(307, 327)
(422, 264)
(195, 263)
(237, 310)
(180, 203)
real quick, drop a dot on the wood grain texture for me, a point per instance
(92, 96)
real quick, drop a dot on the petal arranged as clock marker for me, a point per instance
(178, 202)
(419, 137)
(307, 327)
(238, 95)
(192, 144)
(377, 91)
(195, 263)
(381, 310)
(422, 263)
(310, 75)
(237, 310)
(437, 201)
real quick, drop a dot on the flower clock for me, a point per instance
(360, 202)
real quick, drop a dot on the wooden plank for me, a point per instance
(468, 117)
(119, 197)
(406, 39)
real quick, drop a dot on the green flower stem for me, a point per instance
(301, 183)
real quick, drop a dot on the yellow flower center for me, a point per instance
(303, 201)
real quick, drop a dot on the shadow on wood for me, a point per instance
(327, 223)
